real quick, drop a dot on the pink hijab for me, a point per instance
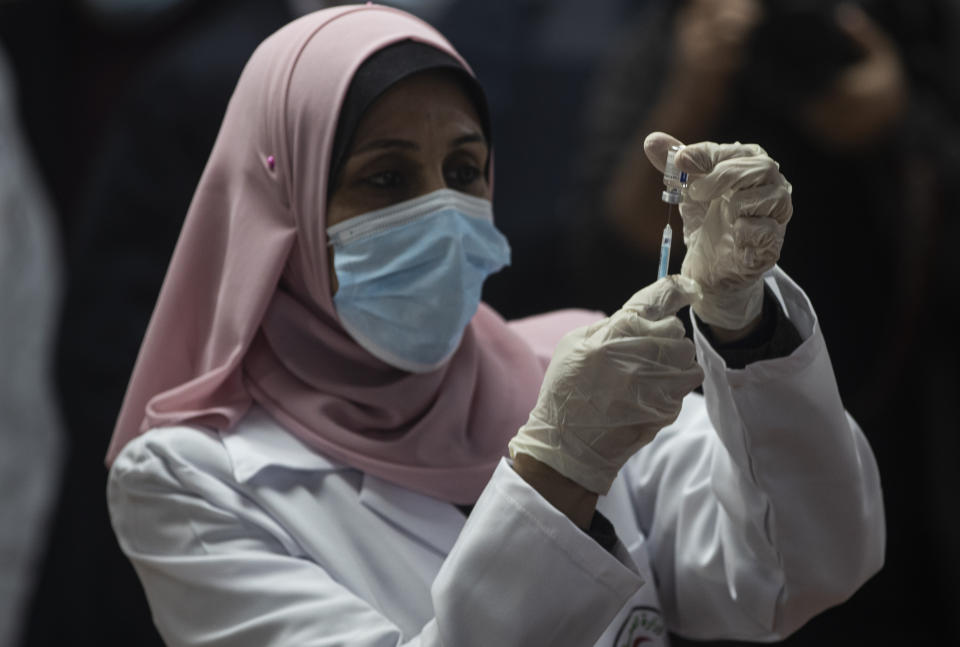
(245, 313)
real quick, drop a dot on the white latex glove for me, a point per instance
(735, 212)
(612, 385)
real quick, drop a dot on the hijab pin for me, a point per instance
(271, 162)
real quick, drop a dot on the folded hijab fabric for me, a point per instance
(246, 314)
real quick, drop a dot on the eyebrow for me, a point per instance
(472, 138)
(405, 144)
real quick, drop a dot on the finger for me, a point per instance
(862, 29)
(770, 201)
(671, 387)
(702, 157)
(686, 381)
(627, 323)
(757, 244)
(651, 356)
(656, 145)
(693, 214)
(734, 174)
(664, 297)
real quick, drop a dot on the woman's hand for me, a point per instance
(735, 212)
(610, 387)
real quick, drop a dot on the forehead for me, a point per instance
(425, 100)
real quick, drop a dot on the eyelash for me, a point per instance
(393, 179)
(382, 179)
(474, 175)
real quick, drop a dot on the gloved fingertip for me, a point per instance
(656, 145)
(683, 291)
(698, 376)
(695, 158)
(665, 297)
(687, 286)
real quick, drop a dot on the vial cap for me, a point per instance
(671, 197)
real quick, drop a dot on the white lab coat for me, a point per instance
(757, 509)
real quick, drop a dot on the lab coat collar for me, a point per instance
(257, 442)
(435, 522)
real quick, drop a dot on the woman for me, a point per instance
(311, 449)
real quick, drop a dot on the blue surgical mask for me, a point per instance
(410, 275)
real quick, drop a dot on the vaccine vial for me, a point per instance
(673, 179)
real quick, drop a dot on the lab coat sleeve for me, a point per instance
(763, 507)
(218, 570)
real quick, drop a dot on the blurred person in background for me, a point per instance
(861, 103)
(30, 434)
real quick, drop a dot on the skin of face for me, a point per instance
(421, 135)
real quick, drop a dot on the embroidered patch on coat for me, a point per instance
(643, 626)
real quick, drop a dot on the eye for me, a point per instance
(384, 180)
(463, 175)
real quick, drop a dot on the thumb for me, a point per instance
(656, 146)
(664, 297)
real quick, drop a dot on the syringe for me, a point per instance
(675, 181)
(665, 243)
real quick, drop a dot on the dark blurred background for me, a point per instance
(119, 102)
